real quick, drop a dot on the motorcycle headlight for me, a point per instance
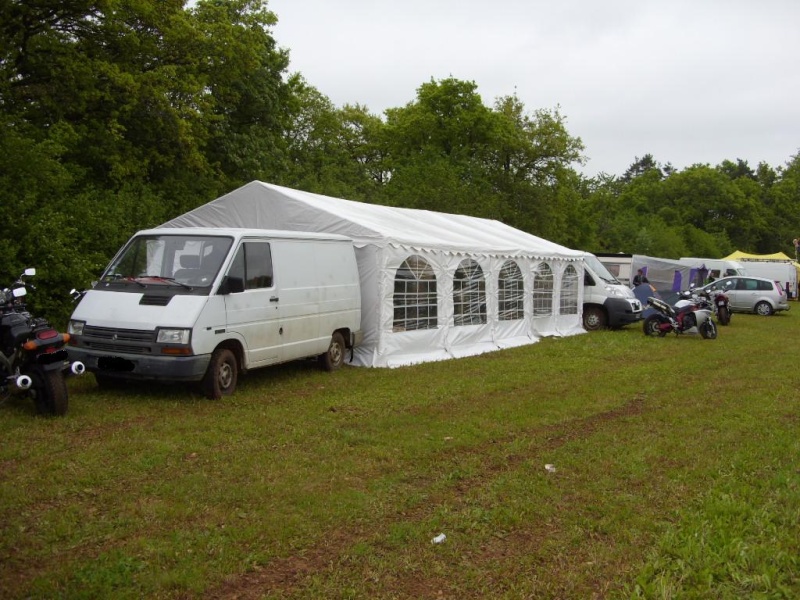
(174, 336)
(75, 327)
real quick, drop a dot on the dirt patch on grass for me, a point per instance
(287, 576)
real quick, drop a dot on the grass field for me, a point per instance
(676, 475)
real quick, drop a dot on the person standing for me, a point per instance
(639, 278)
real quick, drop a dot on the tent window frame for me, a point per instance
(568, 300)
(415, 298)
(469, 294)
(543, 287)
(510, 292)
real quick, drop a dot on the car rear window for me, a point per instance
(765, 286)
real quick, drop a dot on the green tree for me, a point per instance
(530, 165)
(334, 151)
(437, 149)
(783, 200)
(125, 113)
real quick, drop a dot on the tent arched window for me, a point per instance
(415, 297)
(469, 294)
(511, 293)
(542, 290)
(569, 292)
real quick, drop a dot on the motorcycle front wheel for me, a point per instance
(724, 315)
(49, 392)
(708, 330)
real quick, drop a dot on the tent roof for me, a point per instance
(269, 206)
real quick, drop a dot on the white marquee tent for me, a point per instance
(433, 285)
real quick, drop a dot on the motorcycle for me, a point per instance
(33, 356)
(719, 302)
(691, 314)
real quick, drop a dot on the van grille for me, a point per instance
(110, 339)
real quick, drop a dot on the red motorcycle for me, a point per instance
(33, 357)
(691, 314)
(722, 310)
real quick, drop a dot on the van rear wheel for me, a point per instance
(334, 357)
(220, 378)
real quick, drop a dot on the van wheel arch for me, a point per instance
(223, 371)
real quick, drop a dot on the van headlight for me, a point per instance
(75, 327)
(174, 336)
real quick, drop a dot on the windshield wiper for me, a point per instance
(169, 280)
(117, 278)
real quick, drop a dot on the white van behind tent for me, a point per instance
(716, 267)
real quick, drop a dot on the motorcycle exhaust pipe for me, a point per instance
(77, 368)
(24, 382)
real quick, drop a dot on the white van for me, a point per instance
(715, 267)
(606, 301)
(204, 304)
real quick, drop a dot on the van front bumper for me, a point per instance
(132, 366)
(622, 311)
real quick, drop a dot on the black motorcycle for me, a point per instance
(33, 357)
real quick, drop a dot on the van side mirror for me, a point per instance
(231, 285)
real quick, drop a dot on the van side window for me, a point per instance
(258, 265)
(252, 266)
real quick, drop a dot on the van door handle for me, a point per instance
(273, 299)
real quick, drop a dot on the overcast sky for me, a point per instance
(687, 81)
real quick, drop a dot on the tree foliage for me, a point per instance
(116, 115)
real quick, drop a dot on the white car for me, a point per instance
(751, 294)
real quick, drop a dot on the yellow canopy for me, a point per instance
(739, 255)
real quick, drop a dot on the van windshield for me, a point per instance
(188, 261)
(600, 270)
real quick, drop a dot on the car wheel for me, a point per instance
(594, 318)
(764, 308)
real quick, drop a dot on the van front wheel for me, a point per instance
(594, 318)
(220, 378)
(334, 357)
